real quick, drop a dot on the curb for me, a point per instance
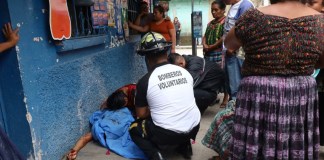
(188, 47)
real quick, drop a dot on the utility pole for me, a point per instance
(193, 39)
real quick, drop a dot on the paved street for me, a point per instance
(93, 151)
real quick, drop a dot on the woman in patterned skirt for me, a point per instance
(276, 115)
(219, 134)
(212, 40)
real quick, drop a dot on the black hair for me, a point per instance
(173, 57)
(220, 3)
(142, 3)
(160, 9)
(156, 54)
(116, 100)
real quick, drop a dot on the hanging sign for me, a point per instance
(197, 24)
(60, 22)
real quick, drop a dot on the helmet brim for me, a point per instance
(163, 47)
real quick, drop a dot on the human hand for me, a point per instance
(143, 13)
(205, 48)
(11, 35)
(230, 52)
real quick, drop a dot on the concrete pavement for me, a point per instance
(93, 151)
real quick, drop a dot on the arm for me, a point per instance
(194, 65)
(216, 45)
(79, 145)
(232, 43)
(205, 46)
(173, 39)
(138, 18)
(179, 26)
(142, 112)
(11, 36)
(145, 28)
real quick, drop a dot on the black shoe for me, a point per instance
(157, 156)
(185, 150)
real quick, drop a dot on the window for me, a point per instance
(87, 17)
(92, 20)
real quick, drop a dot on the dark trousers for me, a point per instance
(7, 149)
(178, 37)
(204, 98)
(148, 136)
(321, 116)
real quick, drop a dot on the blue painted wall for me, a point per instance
(55, 93)
(183, 8)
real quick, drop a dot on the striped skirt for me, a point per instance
(219, 135)
(276, 118)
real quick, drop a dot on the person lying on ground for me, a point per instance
(123, 96)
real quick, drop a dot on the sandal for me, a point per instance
(71, 155)
(225, 101)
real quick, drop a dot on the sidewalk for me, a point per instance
(93, 151)
(187, 50)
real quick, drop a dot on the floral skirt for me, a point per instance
(276, 118)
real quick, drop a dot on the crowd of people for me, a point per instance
(262, 60)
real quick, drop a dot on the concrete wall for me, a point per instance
(53, 94)
(183, 9)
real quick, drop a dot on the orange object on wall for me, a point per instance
(60, 22)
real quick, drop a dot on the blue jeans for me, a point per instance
(233, 67)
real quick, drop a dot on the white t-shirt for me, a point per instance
(234, 13)
(168, 91)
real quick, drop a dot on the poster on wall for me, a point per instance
(60, 22)
(125, 19)
(118, 13)
(197, 23)
(111, 13)
(99, 14)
